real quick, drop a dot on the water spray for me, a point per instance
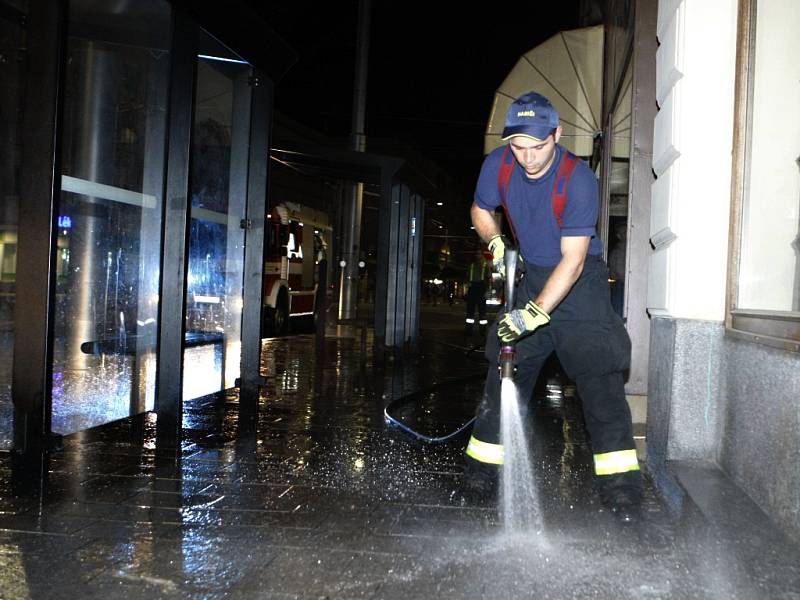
(520, 501)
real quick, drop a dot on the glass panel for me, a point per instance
(220, 142)
(12, 43)
(109, 224)
(769, 277)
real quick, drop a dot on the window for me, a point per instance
(764, 291)
(108, 249)
(220, 138)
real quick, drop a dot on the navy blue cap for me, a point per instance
(530, 115)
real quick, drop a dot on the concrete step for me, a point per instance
(745, 553)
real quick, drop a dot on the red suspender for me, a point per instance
(565, 169)
(503, 179)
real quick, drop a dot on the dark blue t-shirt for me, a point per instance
(530, 202)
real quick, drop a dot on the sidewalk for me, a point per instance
(324, 501)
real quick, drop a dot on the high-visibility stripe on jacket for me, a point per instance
(611, 463)
(485, 452)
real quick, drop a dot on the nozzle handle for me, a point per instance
(510, 258)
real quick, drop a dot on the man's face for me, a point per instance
(535, 156)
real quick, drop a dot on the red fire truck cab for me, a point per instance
(296, 240)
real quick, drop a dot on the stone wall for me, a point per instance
(715, 398)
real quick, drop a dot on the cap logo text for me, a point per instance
(526, 113)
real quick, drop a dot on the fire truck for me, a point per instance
(296, 240)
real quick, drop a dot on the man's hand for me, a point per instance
(519, 322)
(497, 246)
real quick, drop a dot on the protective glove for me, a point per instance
(497, 246)
(521, 321)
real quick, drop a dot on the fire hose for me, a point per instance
(506, 362)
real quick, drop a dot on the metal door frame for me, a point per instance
(40, 186)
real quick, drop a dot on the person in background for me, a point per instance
(478, 274)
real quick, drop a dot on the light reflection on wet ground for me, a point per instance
(324, 501)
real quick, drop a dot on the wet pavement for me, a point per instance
(323, 500)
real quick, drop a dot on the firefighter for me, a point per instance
(561, 303)
(477, 275)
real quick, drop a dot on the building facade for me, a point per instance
(722, 271)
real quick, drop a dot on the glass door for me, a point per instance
(12, 39)
(110, 212)
(218, 190)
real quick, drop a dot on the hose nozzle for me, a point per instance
(507, 362)
(508, 356)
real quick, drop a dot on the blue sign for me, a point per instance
(65, 222)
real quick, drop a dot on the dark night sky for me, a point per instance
(434, 67)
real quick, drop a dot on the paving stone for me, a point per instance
(323, 500)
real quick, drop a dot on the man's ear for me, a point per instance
(557, 134)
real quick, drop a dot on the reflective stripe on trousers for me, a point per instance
(612, 463)
(485, 452)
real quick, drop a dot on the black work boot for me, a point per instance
(625, 505)
(622, 494)
(480, 482)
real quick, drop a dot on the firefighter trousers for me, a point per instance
(476, 299)
(593, 347)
